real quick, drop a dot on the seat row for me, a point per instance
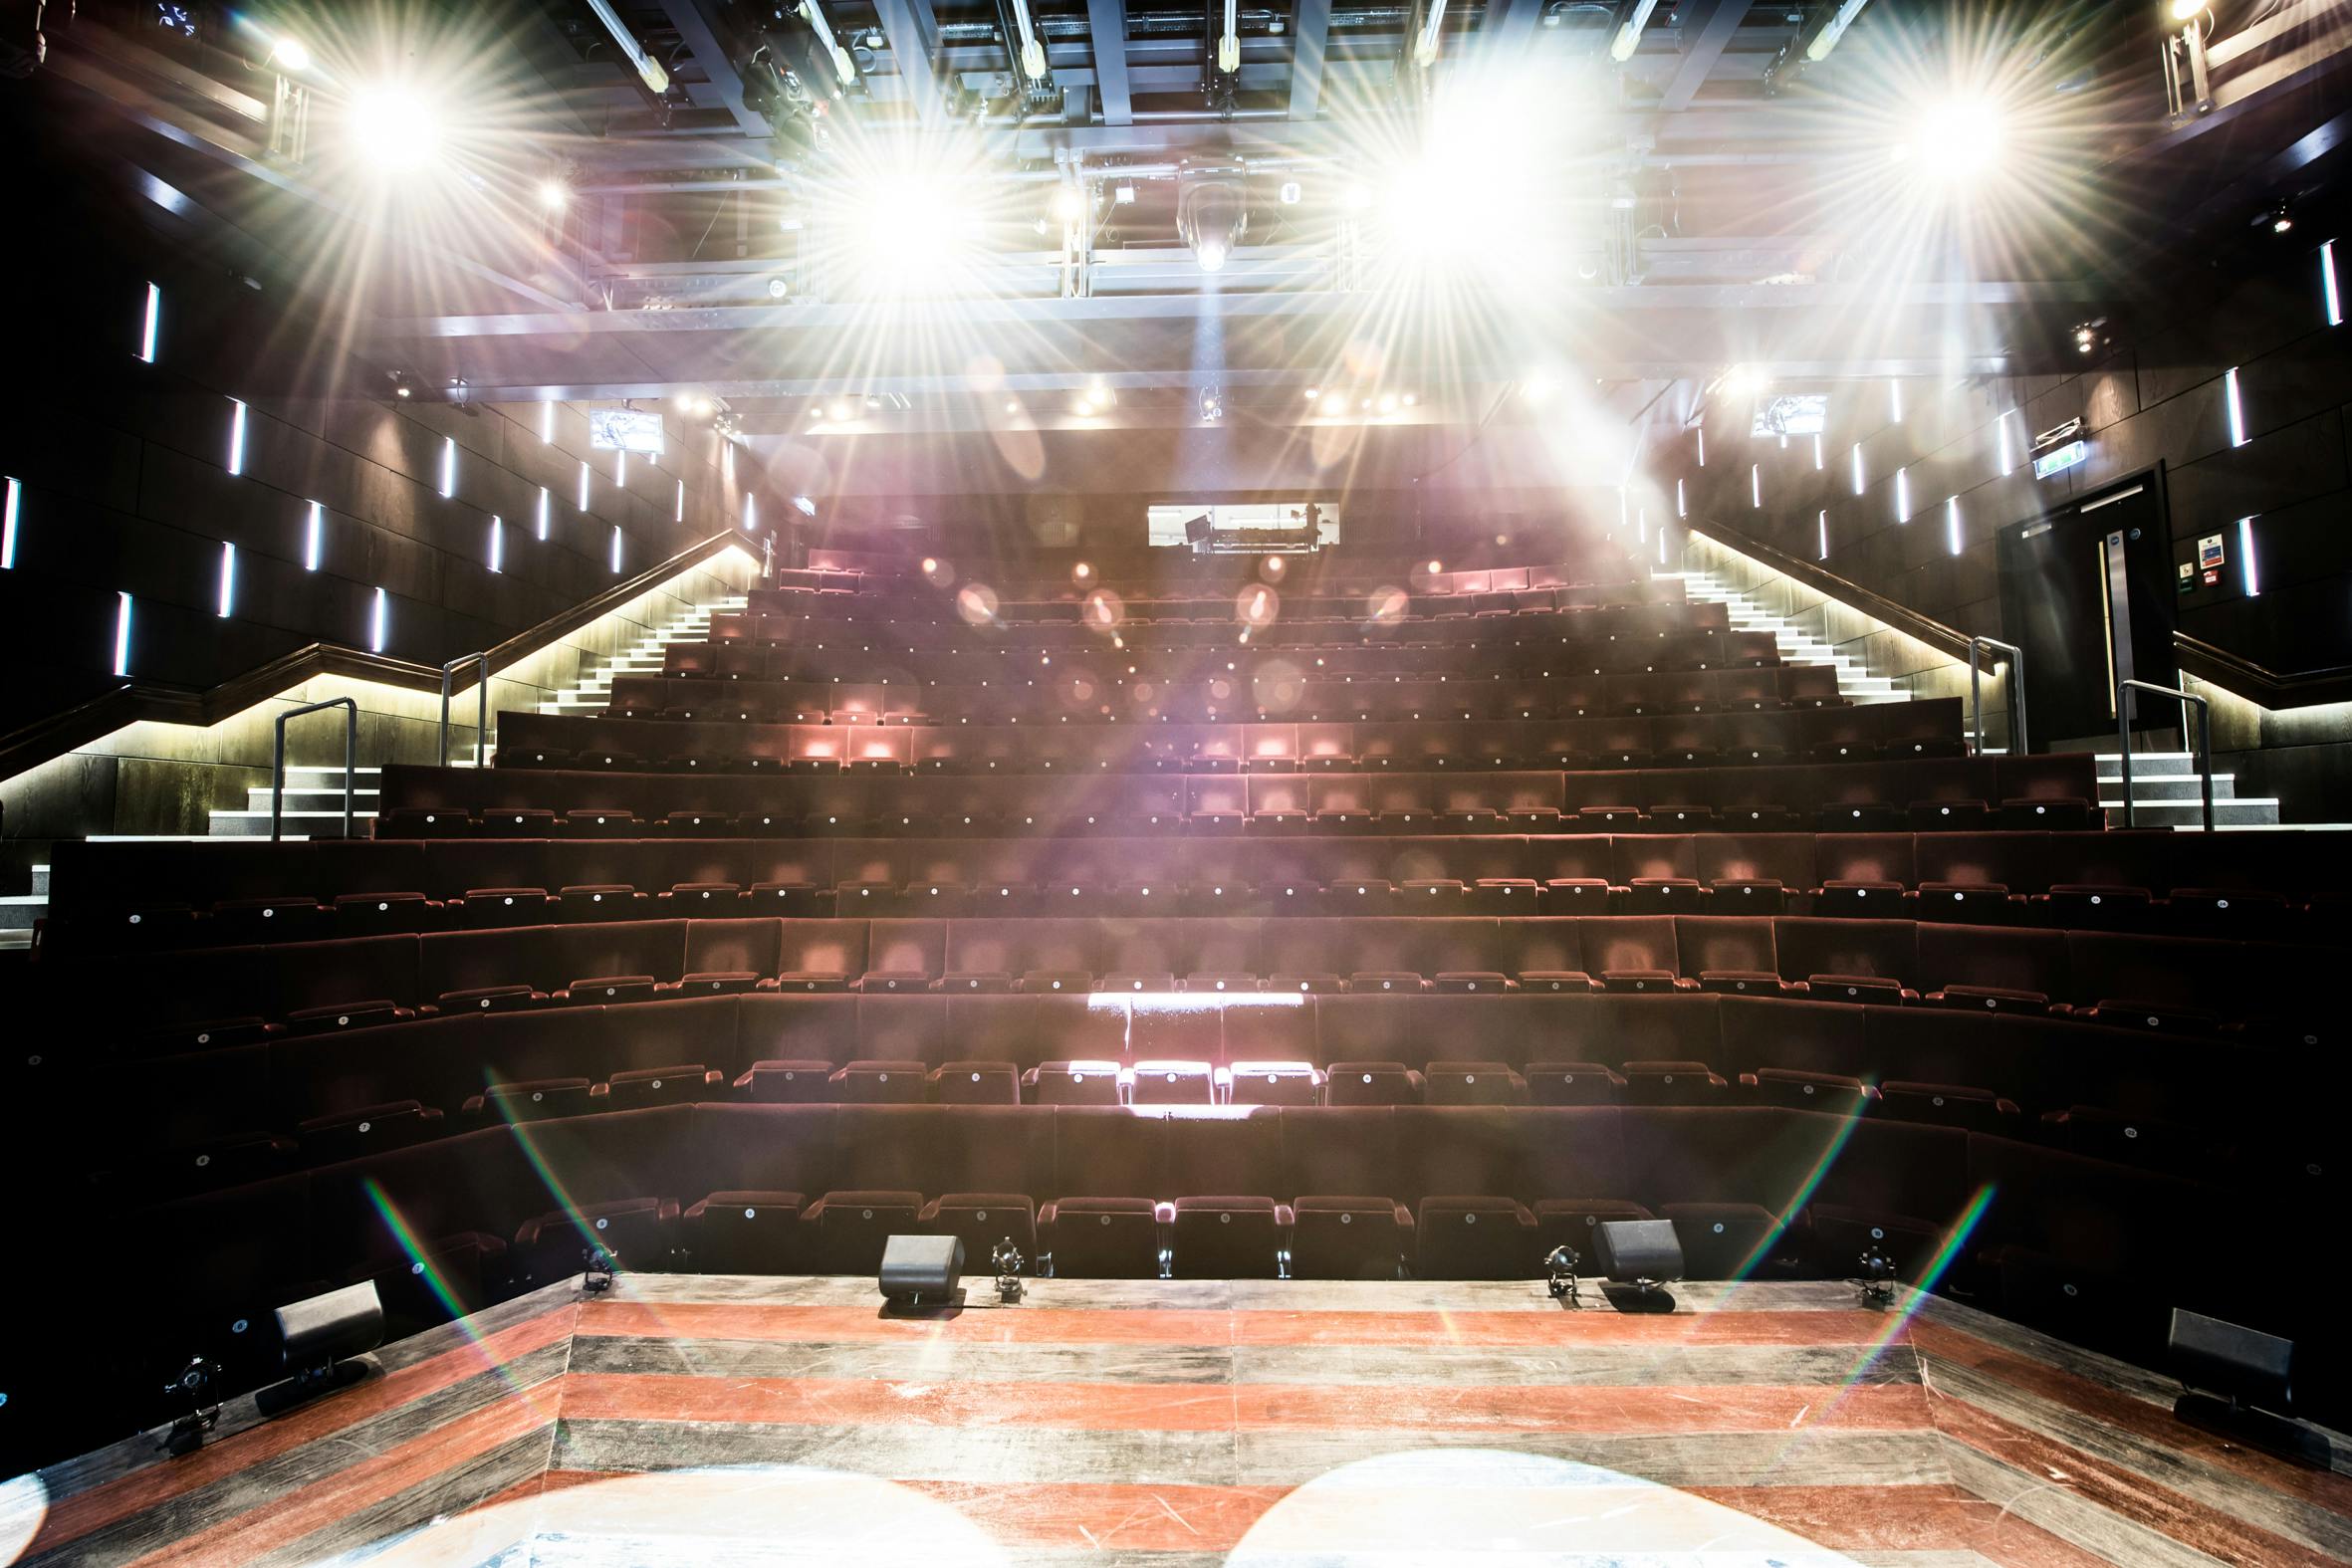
(1145, 978)
(1389, 600)
(122, 895)
(865, 741)
(856, 658)
(1757, 1192)
(1078, 696)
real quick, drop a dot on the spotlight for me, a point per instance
(778, 288)
(1643, 1255)
(2186, 10)
(392, 129)
(837, 412)
(1409, 399)
(684, 401)
(1536, 384)
(1290, 193)
(1561, 1271)
(1007, 1260)
(1959, 141)
(1335, 403)
(1070, 204)
(1388, 403)
(1312, 394)
(2277, 217)
(1212, 404)
(401, 386)
(1210, 255)
(554, 196)
(1876, 1281)
(1212, 215)
(290, 56)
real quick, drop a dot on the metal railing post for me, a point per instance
(351, 761)
(481, 703)
(2204, 758)
(2018, 743)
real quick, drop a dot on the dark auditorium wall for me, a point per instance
(2153, 398)
(124, 485)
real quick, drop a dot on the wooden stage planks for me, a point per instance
(713, 1420)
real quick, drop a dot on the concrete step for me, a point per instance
(326, 798)
(303, 824)
(18, 911)
(2260, 811)
(2184, 787)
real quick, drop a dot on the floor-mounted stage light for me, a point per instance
(919, 1273)
(321, 1335)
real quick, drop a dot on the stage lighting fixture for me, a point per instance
(2280, 218)
(1212, 215)
(553, 194)
(838, 413)
(1123, 193)
(392, 129)
(1290, 193)
(1070, 204)
(1875, 1283)
(2252, 1372)
(778, 287)
(1007, 1260)
(1642, 1255)
(1628, 37)
(916, 1268)
(1559, 1270)
(1334, 404)
(193, 1383)
(319, 1336)
(402, 387)
(2186, 10)
(290, 56)
(1959, 142)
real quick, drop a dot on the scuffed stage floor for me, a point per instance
(712, 1422)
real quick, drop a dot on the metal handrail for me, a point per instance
(2016, 690)
(2204, 741)
(480, 704)
(351, 760)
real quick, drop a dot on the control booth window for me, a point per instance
(1258, 524)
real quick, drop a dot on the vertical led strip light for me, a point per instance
(2007, 461)
(146, 333)
(617, 550)
(621, 468)
(1895, 400)
(546, 424)
(2245, 559)
(380, 617)
(584, 485)
(228, 581)
(1702, 446)
(1951, 524)
(121, 635)
(1902, 495)
(1681, 510)
(2329, 289)
(497, 544)
(236, 436)
(751, 512)
(1858, 486)
(680, 514)
(448, 466)
(8, 526)
(1756, 485)
(1817, 459)
(314, 537)
(2237, 409)
(1823, 525)
(545, 504)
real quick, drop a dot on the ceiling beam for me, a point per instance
(1312, 27)
(912, 27)
(701, 38)
(1106, 26)
(1719, 20)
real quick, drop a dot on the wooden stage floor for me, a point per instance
(709, 1421)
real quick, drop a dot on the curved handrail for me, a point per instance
(2204, 741)
(350, 758)
(2258, 683)
(2016, 690)
(138, 701)
(481, 701)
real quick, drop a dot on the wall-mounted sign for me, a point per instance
(1797, 413)
(2061, 457)
(2208, 552)
(2187, 575)
(624, 430)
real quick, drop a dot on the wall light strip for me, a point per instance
(546, 424)
(228, 581)
(1681, 508)
(1819, 461)
(236, 436)
(497, 544)
(621, 468)
(1660, 547)
(2008, 460)
(8, 510)
(1858, 485)
(617, 550)
(1624, 508)
(314, 537)
(680, 514)
(1756, 486)
(380, 620)
(2237, 408)
(1951, 524)
(448, 466)
(584, 485)
(751, 512)
(2329, 289)
(1895, 400)
(146, 333)
(1902, 495)
(546, 504)
(1823, 526)
(2249, 573)
(1702, 446)
(121, 635)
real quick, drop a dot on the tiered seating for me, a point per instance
(1431, 921)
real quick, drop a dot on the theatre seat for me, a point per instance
(1171, 1083)
(1072, 1082)
(1101, 1238)
(1659, 1083)
(531, 1101)
(1228, 1239)
(981, 1221)
(685, 1084)
(846, 1230)
(1476, 1238)
(1272, 1083)
(348, 1135)
(1371, 1083)
(743, 1232)
(787, 1081)
(1349, 1238)
(1833, 1094)
(1726, 1241)
(1948, 1105)
(1473, 1084)
(1572, 1083)
(976, 1083)
(882, 1082)
(1836, 1238)
(1570, 1222)
(627, 1234)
